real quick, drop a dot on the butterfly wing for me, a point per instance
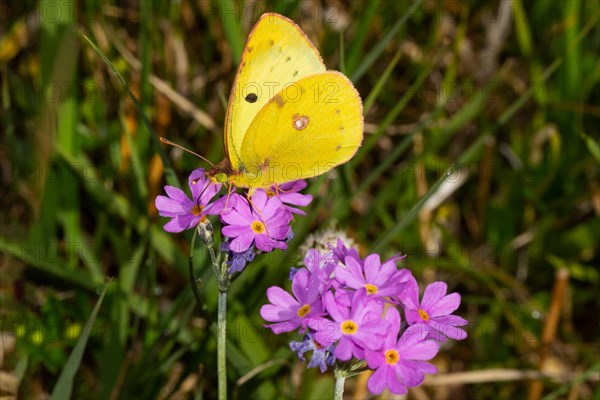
(304, 131)
(277, 54)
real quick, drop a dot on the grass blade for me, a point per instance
(232, 28)
(64, 386)
(380, 82)
(169, 172)
(24, 253)
(374, 54)
(356, 48)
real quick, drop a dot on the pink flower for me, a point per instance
(340, 251)
(265, 223)
(289, 194)
(289, 312)
(400, 363)
(186, 213)
(379, 280)
(434, 311)
(321, 265)
(356, 328)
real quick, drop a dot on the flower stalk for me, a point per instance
(193, 280)
(221, 344)
(340, 379)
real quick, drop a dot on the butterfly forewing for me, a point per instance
(277, 55)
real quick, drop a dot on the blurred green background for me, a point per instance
(504, 93)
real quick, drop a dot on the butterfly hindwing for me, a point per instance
(303, 131)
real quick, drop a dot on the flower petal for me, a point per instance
(296, 199)
(371, 267)
(453, 320)
(266, 244)
(343, 350)
(175, 225)
(241, 243)
(234, 217)
(395, 382)
(235, 230)
(259, 200)
(423, 351)
(378, 381)
(279, 297)
(451, 331)
(197, 181)
(447, 305)
(270, 209)
(410, 375)
(282, 327)
(410, 296)
(433, 294)
(347, 277)
(243, 207)
(332, 307)
(177, 194)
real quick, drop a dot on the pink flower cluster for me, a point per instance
(348, 308)
(260, 222)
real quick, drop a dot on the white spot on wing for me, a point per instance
(299, 122)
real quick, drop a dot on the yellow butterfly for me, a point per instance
(288, 118)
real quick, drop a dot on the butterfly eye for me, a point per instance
(251, 98)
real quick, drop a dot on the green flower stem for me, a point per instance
(193, 279)
(340, 379)
(221, 271)
(221, 358)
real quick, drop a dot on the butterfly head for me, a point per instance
(221, 172)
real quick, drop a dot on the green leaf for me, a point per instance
(64, 386)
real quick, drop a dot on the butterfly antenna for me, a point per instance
(167, 141)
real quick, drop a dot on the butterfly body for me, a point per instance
(288, 117)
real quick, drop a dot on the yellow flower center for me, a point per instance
(371, 289)
(197, 210)
(349, 327)
(258, 227)
(270, 192)
(423, 314)
(302, 311)
(391, 357)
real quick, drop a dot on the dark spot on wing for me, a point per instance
(264, 165)
(295, 73)
(279, 100)
(251, 97)
(288, 58)
(337, 111)
(341, 129)
(250, 48)
(271, 42)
